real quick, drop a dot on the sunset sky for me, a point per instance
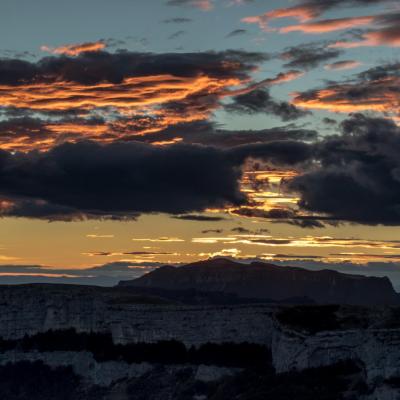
(135, 133)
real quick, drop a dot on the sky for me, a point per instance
(137, 133)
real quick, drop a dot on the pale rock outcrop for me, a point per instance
(377, 350)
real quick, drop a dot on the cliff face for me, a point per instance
(377, 349)
(299, 337)
(267, 281)
(26, 310)
(370, 335)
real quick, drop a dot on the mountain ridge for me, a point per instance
(261, 281)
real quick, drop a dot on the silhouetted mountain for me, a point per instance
(263, 281)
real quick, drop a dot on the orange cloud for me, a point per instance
(380, 95)
(75, 49)
(264, 191)
(165, 239)
(384, 37)
(134, 92)
(159, 101)
(300, 242)
(300, 13)
(143, 104)
(329, 25)
(343, 65)
(205, 5)
(114, 96)
(308, 11)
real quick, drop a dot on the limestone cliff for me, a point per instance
(299, 337)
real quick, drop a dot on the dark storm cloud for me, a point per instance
(352, 176)
(358, 176)
(24, 132)
(41, 209)
(94, 67)
(122, 180)
(208, 133)
(282, 153)
(23, 126)
(308, 56)
(260, 101)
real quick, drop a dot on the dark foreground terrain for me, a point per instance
(235, 371)
(37, 381)
(194, 333)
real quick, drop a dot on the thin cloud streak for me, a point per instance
(76, 49)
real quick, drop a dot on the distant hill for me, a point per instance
(268, 282)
